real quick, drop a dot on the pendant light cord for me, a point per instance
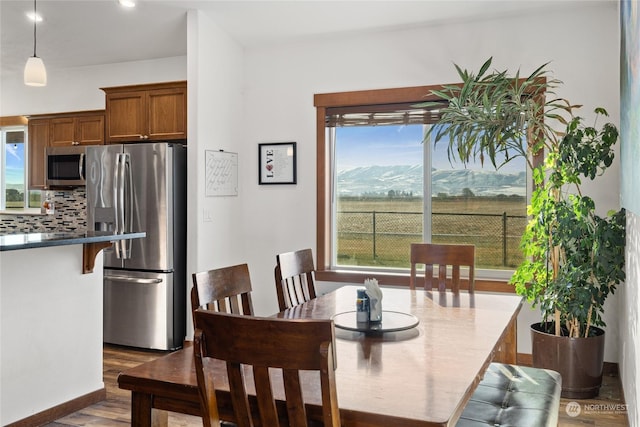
(35, 21)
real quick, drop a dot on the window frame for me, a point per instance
(11, 122)
(324, 272)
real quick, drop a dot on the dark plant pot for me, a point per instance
(578, 360)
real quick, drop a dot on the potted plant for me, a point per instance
(574, 258)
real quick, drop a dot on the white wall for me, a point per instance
(629, 322)
(51, 330)
(281, 82)
(215, 123)
(76, 89)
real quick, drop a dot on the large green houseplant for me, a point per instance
(574, 258)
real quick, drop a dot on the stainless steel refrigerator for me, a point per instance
(141, 187)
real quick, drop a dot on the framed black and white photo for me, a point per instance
(277, 163)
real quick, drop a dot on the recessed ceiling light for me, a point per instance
(127, 3)
(34, 16)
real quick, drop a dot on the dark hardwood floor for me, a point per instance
(115, 410)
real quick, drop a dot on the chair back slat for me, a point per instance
(445, 258)
(207, 396)
(329, 392)
(264, 394)
(268, 345)
(455, 275)
(296, 411)
(239, 398)
(295, 278)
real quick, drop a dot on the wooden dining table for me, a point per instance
(421, 376)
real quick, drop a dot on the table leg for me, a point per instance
(142, 414)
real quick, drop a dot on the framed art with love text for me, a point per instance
(277, 163)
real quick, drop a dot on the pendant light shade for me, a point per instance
(34, 72)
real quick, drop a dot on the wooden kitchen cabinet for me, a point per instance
(150, 112)
(38, 141)
(60, 130)
(81, 129)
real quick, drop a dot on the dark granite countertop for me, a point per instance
(12, 242)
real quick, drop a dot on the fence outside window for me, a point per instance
(382, 238)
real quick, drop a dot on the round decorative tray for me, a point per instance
(392, 321)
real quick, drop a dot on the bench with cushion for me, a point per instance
(514, 396)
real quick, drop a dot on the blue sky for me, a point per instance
(15, 163)
(364, 146)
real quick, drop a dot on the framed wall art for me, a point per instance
(221, 173)
(277, 163)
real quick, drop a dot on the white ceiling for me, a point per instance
(91, 32)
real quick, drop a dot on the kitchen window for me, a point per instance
(381, 188)
(14, 193)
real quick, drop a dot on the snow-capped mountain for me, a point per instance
(406, 179)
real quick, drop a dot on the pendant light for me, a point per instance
(34, 72)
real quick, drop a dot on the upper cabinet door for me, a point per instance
(143, 113)
(89, 130)
(167, 114)
(62, 132)
(126, 116)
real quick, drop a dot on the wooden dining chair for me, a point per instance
(226, 289)
(270, 353)
(445, 258)
(295, 278)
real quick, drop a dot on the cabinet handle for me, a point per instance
(141, 136)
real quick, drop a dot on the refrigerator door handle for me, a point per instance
(116, 202)
(133, 280)
(121, 206)
(127, 195)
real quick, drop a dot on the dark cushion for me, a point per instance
(514, 396)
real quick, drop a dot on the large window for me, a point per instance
(381, 188)
(14, 193)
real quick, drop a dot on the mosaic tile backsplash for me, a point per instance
(70, 215)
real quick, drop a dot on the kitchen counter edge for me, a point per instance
(12, 242)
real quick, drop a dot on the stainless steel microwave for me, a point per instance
(65, 167)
